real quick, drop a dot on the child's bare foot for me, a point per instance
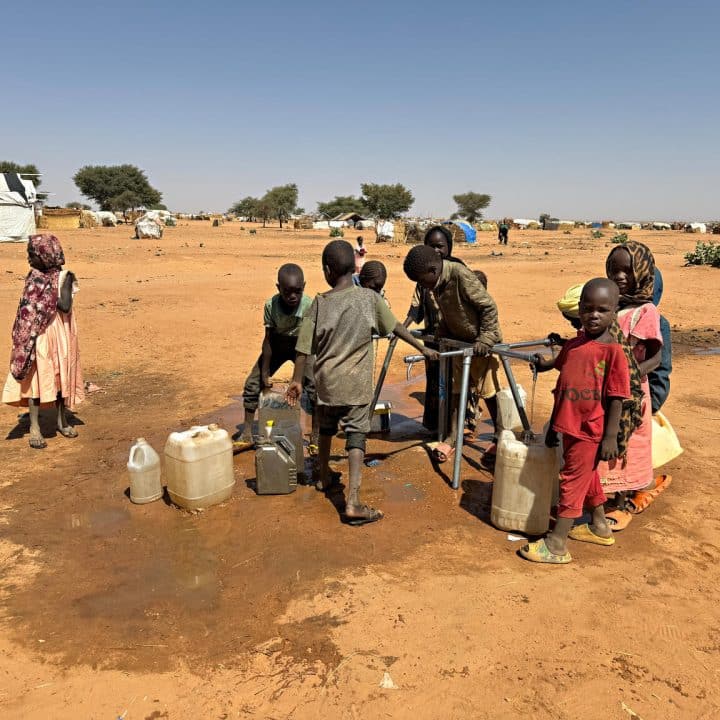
(37, 441)
(68, 431)
(361, 514)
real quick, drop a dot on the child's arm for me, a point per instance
(65, 296)
(294, 390)
(609, 444)
(653, 357)
(404, 334)
(543, 363)
(489, 325)
(265, 358)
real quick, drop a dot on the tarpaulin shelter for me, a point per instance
(468, 231)
(17, 208)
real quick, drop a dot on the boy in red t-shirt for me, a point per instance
(594, 380)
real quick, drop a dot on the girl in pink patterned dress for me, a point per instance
(632, 267)
(45, 360)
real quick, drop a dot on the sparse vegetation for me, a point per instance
(336, 233)
(596, 234)
(619, 239)
(706, 253)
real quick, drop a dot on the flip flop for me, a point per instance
(641, 499)
(68, 432)
(38, 444)
(583, 533)
(242, 445)
(618, 519)
(313, 450)
(370, 515)
(538, 552)
(441, 452)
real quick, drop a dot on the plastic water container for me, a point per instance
(285, 420)
(665, 443)
(199, 467)
(275, 468)
(526, 476)
(380, 420)
(508, 417)
(144, 470)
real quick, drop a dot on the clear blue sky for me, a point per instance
(580, 109)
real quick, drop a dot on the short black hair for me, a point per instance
(290, 270)
(597, 283)
(482, 277)
(419, 260)
(373, 270)
(339, 257)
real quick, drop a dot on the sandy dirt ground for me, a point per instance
(269, 607)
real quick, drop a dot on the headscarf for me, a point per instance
(38, 303)
(445, 230)
(569, 303)
(643, 268)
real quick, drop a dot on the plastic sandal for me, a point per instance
(583, 533)
(618, 519)
(538, 552)
(641, 499)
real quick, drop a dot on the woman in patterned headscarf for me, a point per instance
(632, 267)
(45, 359)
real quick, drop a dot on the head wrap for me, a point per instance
(38, 303)
(569, 303)
(643, 269)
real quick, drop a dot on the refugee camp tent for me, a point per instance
(661, 226)
(348, 219)
(107, 218)
(467, 233)
(696, 227)
(17, 208)
(149, 226)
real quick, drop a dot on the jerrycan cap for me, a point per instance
(141, 441)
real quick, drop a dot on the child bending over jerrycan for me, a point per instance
(338, 330)
(594, 380)
(282, 319)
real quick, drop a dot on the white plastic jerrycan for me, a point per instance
(199, 467)
(144, 470)
(508, 417)
(525, 479)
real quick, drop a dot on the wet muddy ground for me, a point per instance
(269, 606)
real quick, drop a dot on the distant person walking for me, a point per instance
(503, 231)
(360, 253)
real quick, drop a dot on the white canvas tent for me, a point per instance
(17, 208)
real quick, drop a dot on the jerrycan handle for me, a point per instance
(139, 445)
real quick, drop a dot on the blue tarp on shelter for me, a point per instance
(469, 230)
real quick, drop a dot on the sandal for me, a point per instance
(242, 445)
(68, 432)
(368, 515)
(642, 498)
(441, 452)
(38, 443)
(618, 519)
(538, 552)
(313, 449)
(583, 533)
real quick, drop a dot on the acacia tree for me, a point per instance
(247, 207)
(126, 200)
(105, 183)
(77, 206)
(386, 202)
(282, 201)
(341, 205)
(470, 205)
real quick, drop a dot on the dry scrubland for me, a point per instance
(269, 607)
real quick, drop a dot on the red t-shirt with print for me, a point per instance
(590, 373)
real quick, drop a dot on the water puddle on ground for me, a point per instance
(98, 522)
